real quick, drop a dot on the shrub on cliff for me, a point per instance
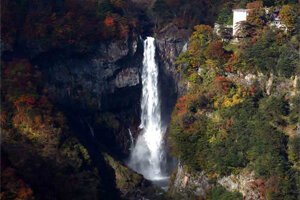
(272, 53)
(225, 14)
(288, 15)
(39, 144)
(220, 193)
(239, 126)
(71, 23)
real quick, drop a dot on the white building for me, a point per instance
(241, 15)
(238, 16)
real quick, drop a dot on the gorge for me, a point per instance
(144, 100)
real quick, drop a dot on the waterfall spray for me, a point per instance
(147, 156)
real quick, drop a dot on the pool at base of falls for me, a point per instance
(161, 182)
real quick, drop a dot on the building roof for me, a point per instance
(240, 10)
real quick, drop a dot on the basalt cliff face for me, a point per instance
(101, 90)
(170, 43)
(100, 93)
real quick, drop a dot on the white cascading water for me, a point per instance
(147, 156)
(131, 140)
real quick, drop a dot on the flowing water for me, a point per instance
(131, 140)
(148, 156)
(91, 129)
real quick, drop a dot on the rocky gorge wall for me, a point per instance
(98, 88)
(105, 86)
(170, 43)
(96, 84)
(188, 185)
(99, 92)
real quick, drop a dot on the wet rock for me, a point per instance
(127, 78)
(134, 47)
(169, 44)
(83, 81)
(103, 87)
(113, 51)
(169, 48)
(132, 186)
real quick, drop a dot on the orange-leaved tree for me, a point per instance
(215, 50)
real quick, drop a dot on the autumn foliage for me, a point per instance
(28, 104)
(72, 22)
(255, 5)
(222, 84)
(35, 134)
(109, 21)
(288, 15)
(12, 187)
(232, 63)
(215, 50)
(181, 106)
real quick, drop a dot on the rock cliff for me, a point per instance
(170, 43)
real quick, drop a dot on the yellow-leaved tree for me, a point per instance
(288, 16)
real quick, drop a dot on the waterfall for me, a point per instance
(147, 156)
(131, 140)
(91, 129)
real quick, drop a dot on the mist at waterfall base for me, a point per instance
(147, 155)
